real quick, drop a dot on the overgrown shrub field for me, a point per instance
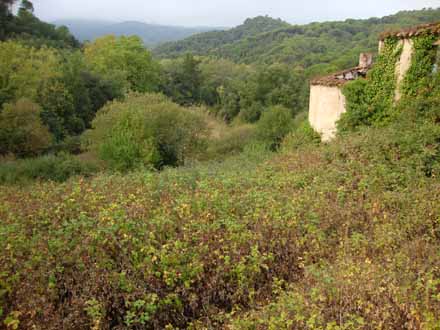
(338, 236)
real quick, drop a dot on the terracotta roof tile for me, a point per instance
(413, 31)
(339, 79)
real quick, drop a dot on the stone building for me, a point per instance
(407, 43)
(327, 102)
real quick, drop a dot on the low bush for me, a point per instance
(231, 141)
(252, 113)
(274, 125)
(146, 130)
(22, 132)
(49, 168)
(70, 145)
(303, 135)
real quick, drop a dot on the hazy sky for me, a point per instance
(222, 12)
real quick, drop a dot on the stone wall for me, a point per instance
(327, 103)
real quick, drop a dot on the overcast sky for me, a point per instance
(222, 12)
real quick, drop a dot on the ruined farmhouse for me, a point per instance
(327, 101)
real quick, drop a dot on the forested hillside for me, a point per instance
(317, 46)
(151, 34)
(203, 43)
(28, 28)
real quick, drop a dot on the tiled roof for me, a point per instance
(414, 31)
(340, 78)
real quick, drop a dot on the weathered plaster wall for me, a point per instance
(381, 45)
(327, 103)
(403, 65)
(326, 106)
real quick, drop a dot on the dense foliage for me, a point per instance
(338, 236)
(146, 130)
(211, 229)
(22, 132)
(371, 101)
(320, 47)
(68, 92)
(125, 61)
(25, 71)
(204, 43)
(182, 80)
(234, 90)
(25, 26)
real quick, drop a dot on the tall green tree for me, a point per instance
(124, 60)
(27, 27)
(5, 17)
(41, 75)
(89, 91)
(183, 80)
(22, 131)
(24, 71)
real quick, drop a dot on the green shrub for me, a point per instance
(251, 114)
(22, 132)
(274, 125)
(52, 167)
(419, 75)
(232, 141)
(303, 135)
(343, 235)
(357, 107)
(125, 61)
(146, 130)
(70, 145)
(371, 101)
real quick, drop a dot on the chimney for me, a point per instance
(365, 60)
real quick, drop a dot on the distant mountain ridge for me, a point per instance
(151, 34)
(267, 40)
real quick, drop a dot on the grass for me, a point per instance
(338, 236)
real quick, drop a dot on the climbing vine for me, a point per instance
(419, 76)
(370, 101)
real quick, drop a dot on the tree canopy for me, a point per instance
(124, 60)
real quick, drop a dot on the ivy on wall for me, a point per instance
(419, 76)
(370, 101)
